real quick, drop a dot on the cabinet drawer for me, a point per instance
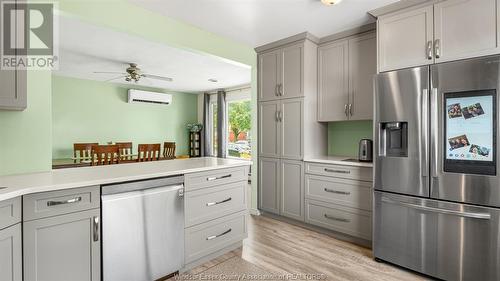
(340, 171)
(350, 193)
(47, 204)
(207, 238)
(211, 203)
(213, 178)
(10, 212)
(350, 221)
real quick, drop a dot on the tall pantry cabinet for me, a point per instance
(287, 122)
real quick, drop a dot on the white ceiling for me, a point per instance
(85, 48)
(258, 22)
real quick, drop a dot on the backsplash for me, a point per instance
(344, 136)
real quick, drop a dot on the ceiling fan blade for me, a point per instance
(109, 72)
(122, 76)
(157, 77)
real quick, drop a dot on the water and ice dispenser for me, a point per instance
(393, 139)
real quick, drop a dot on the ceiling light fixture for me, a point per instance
(330, 2)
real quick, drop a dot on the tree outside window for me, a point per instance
(240, 122)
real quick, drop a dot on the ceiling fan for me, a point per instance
(133, 73)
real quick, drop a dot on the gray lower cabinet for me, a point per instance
(281, 183)
(269, 182)
(11, 254)
(292, 189)
(62, 248)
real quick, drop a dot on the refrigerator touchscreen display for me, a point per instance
(470, 128)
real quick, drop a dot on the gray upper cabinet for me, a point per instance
(281, 128)
(465, 28)
(445, 31)
(291, 118)
(11, 264)
(346, 69)
(362, 68)
(61, 248)
(333, 81)
(291, 83)
(269, 129)
(269, 182)
(13, 93)
(268, 75)
(292, 189)
(281, 73)
(405, 39)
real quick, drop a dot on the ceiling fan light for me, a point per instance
(330, 2)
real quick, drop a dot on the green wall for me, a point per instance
(25, 136)
(92, 111)
(344, 136)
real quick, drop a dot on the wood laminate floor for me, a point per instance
(278, 247)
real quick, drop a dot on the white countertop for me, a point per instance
(22, 184)
(338, 160)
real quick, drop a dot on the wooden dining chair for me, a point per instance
(125, 149)
(169, 150)
(105, 155)
(149, 152)
(82, 151)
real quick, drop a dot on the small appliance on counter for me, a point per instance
(365, 150)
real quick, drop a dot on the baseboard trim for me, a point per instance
(337, 235)
(254, 212)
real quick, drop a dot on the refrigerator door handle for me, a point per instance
(434, 132)
(485, 216)
(424, 140)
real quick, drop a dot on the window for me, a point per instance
(239, 122)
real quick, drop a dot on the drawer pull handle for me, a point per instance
(96, 229)
(69, 201)
(337, 171)
(219, 178)
(336, 219)
(219, 235)
(3, 187)
(219, 202)
(337, 191)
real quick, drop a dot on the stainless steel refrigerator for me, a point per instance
(437, 189)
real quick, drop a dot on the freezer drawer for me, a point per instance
(446, 240)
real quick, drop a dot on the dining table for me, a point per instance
(73, 162)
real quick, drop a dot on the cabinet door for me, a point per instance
(464, 29)
(13, 90)
(292, 189)
(404, 39)
(291, 72)
(333, 81)
(269, 132)
(362, 68)
(291, 117)
(268, 76)
(269, 197)
(63, 248)
(11, 264)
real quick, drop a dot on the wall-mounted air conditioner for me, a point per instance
(135, 96)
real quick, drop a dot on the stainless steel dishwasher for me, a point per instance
(143, 229)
